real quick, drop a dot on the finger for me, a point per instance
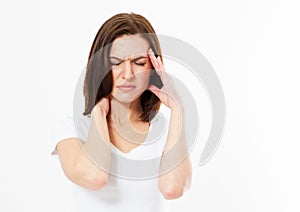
(159, 62)
(162, 72)
(153, 58)
(153, 87)
(155, 90)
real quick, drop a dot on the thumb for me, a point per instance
(154, 90)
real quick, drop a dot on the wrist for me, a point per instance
(98, 112)
(177, 109)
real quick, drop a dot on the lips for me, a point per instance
(126, 87)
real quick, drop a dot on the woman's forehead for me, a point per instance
(129, 46)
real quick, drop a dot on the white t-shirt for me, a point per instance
(121, 193)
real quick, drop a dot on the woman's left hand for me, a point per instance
(175, 181)
(168, 94)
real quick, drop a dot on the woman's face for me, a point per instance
(131, 67)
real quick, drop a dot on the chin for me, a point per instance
(125, 98)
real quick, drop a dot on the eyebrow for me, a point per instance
(140, 57)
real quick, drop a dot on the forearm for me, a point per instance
(97, 144)
(78, 167)
(176, 132)
(175, 178)
(92, 163)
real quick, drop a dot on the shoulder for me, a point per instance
(160, 124)
(75, 126)
(163, 116)
(81, 125)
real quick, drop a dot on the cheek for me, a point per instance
(115, 73)
(144, 77)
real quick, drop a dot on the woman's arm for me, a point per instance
(172, 181)
(175, 168)
(85, 163)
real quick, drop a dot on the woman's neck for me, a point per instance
(125, 113)
(124, 119)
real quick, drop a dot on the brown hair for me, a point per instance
(98, 79)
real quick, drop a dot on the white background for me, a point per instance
(254, 48)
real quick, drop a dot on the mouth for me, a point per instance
(126, 87)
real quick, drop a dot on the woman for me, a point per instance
(124, 86)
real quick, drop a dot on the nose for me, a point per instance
(127, 72)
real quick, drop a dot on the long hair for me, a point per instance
(98, 81)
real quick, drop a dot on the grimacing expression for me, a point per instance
(131, 67)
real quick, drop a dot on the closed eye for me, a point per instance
(115, 64)
(139, 63)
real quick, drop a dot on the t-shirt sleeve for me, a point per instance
(62, 130)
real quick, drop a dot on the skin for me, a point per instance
(132, 61)
(132, 67)
(172, 183)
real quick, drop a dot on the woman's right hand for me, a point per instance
(103, 105)
(96, 148)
